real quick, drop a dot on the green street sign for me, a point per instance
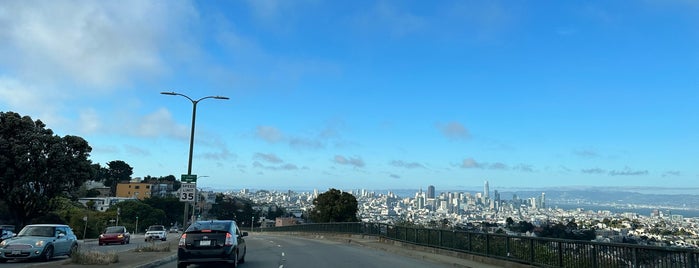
(189, 178)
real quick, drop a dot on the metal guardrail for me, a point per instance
(536, 251)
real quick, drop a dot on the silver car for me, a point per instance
(39, 241)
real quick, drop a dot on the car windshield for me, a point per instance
(46, 231)
(209, 225)
(114, 230)
(156, 228)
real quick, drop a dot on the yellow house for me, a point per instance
(136, 190)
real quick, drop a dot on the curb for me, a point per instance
(159, 262)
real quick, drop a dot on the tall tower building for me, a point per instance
(543, 200)
(486, 190)
(430, 191)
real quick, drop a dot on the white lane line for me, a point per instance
(281, 266)
(282, 254)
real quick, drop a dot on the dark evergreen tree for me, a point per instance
(36, 166)
(118, 171)
(334, 206)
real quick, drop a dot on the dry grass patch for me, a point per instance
(153, 247)
(93, 257)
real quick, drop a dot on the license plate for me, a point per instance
(16, 252)
(205, 243)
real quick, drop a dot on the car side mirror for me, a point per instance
(61, 235)
(245, 234)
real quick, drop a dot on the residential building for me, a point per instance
(132, 189)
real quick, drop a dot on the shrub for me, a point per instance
(93, 257)
(153, 247)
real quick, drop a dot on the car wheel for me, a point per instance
(48, 254)
(128, 240)
(181, 265)
(242, 259)
(234, 264)
(164, 238)
(73, 249)
(3, 260)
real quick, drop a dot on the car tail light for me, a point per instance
(183, 238)
(229, 239)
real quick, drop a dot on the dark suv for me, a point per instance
(213, 241)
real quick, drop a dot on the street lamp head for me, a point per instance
(168, 93)
(221, 98)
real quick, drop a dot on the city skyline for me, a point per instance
(368, 94)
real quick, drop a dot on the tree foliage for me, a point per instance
(117, 172)
(233, 208)
(36, 166)
(171, 205)
(132, 209)
(334, 206)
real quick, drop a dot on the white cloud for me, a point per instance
(403, 164)
(271, 158)
(93, 43)
(454, 131)
(269, 134)
(159, 123)
(470, 163)
(387, 19)
(90, 121)
(351, 161)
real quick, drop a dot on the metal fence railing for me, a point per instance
(537, 251)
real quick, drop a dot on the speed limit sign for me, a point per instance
(187, 192)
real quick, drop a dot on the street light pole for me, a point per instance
(191, 138)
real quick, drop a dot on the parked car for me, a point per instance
(114, 234)
(213, 241)
(156, 232)
(39, 241)
(174, 230)
(6, 231)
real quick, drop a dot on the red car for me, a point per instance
(115, 234)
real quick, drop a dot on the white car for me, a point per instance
(156, 232)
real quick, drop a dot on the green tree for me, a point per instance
(129, 210)
(36, 166)
(509, 222)
(233, 208)
(334, 206)
(117, 172)
(172, 206)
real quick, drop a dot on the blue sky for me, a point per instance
(367, 94)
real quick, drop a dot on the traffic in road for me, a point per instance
(137, 240)
(287, 251)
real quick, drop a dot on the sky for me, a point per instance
(367, 94)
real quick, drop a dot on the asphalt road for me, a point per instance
(285, 251)
(91, 245)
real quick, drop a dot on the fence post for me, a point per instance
(690, 259)
(439, 237)
(487, 245)
(594, 256)
(415, 235)
(507, 246)
(531, 250)
(470, 242)
(560, 254)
